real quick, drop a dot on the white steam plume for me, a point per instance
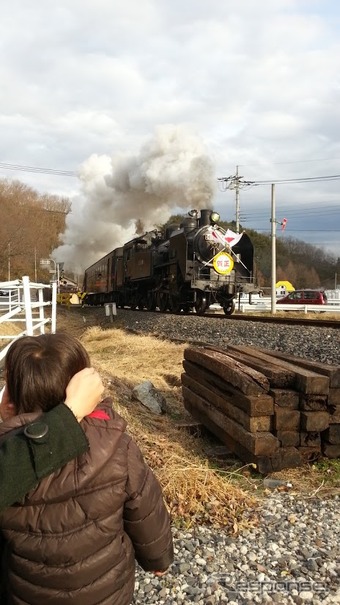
(171, 171)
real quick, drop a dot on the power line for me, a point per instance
(301, 230)
(36, 169)
(236, 182)
(311, 179)
(311, 213)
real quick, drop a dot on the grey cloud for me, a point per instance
(257, 81)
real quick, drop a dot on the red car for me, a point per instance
(304, 297)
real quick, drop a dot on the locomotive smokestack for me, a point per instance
(205, 218)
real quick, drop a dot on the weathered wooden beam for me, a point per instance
(310, 453)
(334, 396)
(286, 419)
(288, 438)
(253, 405)
(277, 376)
(249, 381)
(330, 450)
(332, 434)
(310, 440)
(286, 398)
(259, 444)
(333, 372)
(334, 414)
(313, 403)
(314, 421)
(286, 457)
(251, 424)
(306, 381)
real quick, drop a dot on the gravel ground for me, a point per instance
(293, 555)
(319, 344)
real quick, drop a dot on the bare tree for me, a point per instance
(29, 230)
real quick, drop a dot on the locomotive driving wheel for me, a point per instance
(201, 303)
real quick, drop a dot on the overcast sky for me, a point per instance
(121, 95)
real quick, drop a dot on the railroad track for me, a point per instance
(273, 319)
(293, 321)
(267, 319)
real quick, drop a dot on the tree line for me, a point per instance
(30, 228)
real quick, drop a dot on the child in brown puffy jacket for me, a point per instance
(74, 539)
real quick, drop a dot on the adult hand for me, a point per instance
(7, 409)
(84, 392)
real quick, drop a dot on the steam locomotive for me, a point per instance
(186, 266)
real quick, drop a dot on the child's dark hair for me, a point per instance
(39, 368)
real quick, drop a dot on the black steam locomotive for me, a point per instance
(188, 266)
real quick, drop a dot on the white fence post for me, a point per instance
(12, 306)
(54, 308)
(27, 303)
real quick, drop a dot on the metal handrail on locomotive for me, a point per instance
(183, 267)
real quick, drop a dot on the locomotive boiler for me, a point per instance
(186, 266)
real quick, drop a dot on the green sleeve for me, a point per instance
(23, 461)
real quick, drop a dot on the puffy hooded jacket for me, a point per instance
(75, 537)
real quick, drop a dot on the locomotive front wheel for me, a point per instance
(163, 302)
(229, 308)
(151, 302)
(201, 304)
(141, 303)
(174, 304)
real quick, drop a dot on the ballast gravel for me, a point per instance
(293, 555)
(311, 342)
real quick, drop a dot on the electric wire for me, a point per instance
(36, 169)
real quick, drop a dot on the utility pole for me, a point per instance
(237, 199)
(9, 262)
(235, 182)
(35, 266)
(273, 236)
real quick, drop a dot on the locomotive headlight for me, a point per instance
(215, 217)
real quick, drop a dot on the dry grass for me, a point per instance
(197, 487)
(320, 478)
(8, 328)
(194, 489)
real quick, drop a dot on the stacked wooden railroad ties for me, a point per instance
(268, 408)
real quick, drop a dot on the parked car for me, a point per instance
(304, 297)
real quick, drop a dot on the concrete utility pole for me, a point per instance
(273, 235)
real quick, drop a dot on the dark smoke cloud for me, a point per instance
(171, 172)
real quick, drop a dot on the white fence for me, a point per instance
(263, 304)
(22, 301)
